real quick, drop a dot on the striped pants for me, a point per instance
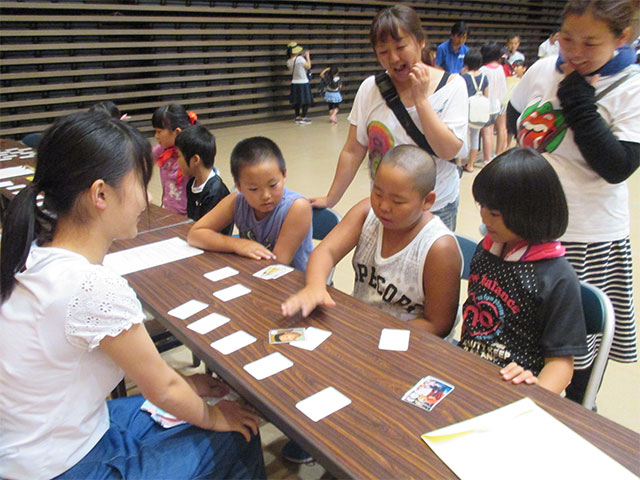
(607, 265)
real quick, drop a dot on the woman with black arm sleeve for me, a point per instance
(594, 156)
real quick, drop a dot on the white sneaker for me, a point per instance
(305, 121)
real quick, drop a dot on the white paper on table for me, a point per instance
(19, 186)
(233, 342)
(221, 274)
(150, 255)
(208, 323)
(394, 339)
(531, 445)
(323, 403)
(11, 172)
(187, 309)
(312, 338)
(6, 183)
(269, 365)
(229, 293)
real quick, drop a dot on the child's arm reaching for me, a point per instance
(293, 231)
(205, 233)
(441, 285)
(340, 241)
(554, 376)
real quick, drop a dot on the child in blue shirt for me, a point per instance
(274, 223)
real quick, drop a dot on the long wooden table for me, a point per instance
(377, 435)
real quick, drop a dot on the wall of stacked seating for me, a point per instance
(224, 60)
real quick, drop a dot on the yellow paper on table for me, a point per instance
(520, 441)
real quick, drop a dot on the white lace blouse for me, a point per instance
(53, 378)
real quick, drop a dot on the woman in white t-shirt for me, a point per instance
(442, 116)
(594, 156)
(70, 326)
(299, 64)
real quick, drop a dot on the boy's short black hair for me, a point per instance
(252, 151)
(197, 140)
(473, 59)
(526, 190)
(459, 28)
(518, 63)
(491, 52)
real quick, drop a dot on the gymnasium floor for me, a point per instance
(311, 153)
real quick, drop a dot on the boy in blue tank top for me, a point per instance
(274, 222)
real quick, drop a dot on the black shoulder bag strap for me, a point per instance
(390, 95)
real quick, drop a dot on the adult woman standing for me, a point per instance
(594, 89)
(441, 114)
(71, 326)
(299, 64)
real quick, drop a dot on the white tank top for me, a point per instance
(393, 284)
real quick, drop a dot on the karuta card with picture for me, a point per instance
(286, 335)
(427, 393)
(273, 271)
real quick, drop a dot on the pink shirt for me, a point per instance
(174, 193)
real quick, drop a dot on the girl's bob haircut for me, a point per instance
(526, 190)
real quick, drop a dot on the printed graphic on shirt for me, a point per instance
(388, 292)
(539, 121)
(380, 142)
(499, 322)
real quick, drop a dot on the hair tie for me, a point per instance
(193, 117)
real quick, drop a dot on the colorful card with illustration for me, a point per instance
(273, 271)
(427, 393)
(286, 335)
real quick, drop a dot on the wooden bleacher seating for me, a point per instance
(225, 62)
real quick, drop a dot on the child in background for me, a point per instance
(332, 82)
(168, 122)
(476, 81)
(273, 222)
(407, 262)
(524, 310)
(110, 109)
(196, 154)
(491, 53)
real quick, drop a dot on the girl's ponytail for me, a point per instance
(19, 232)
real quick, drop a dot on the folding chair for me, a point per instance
(468, 248)
(323, 221)
(599, 318)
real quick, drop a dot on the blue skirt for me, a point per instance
(332, 97)
(301, 94)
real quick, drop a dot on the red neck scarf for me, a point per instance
(167, 155)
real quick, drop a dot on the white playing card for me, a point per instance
(221, 273)
(233, 342)
(394, 339)
(19, 186)
(208, 323)
(269, 365)
(187, 309)
(312, 338)
(231, 292)
(273, 271)
(6, 183)
(323, 403)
